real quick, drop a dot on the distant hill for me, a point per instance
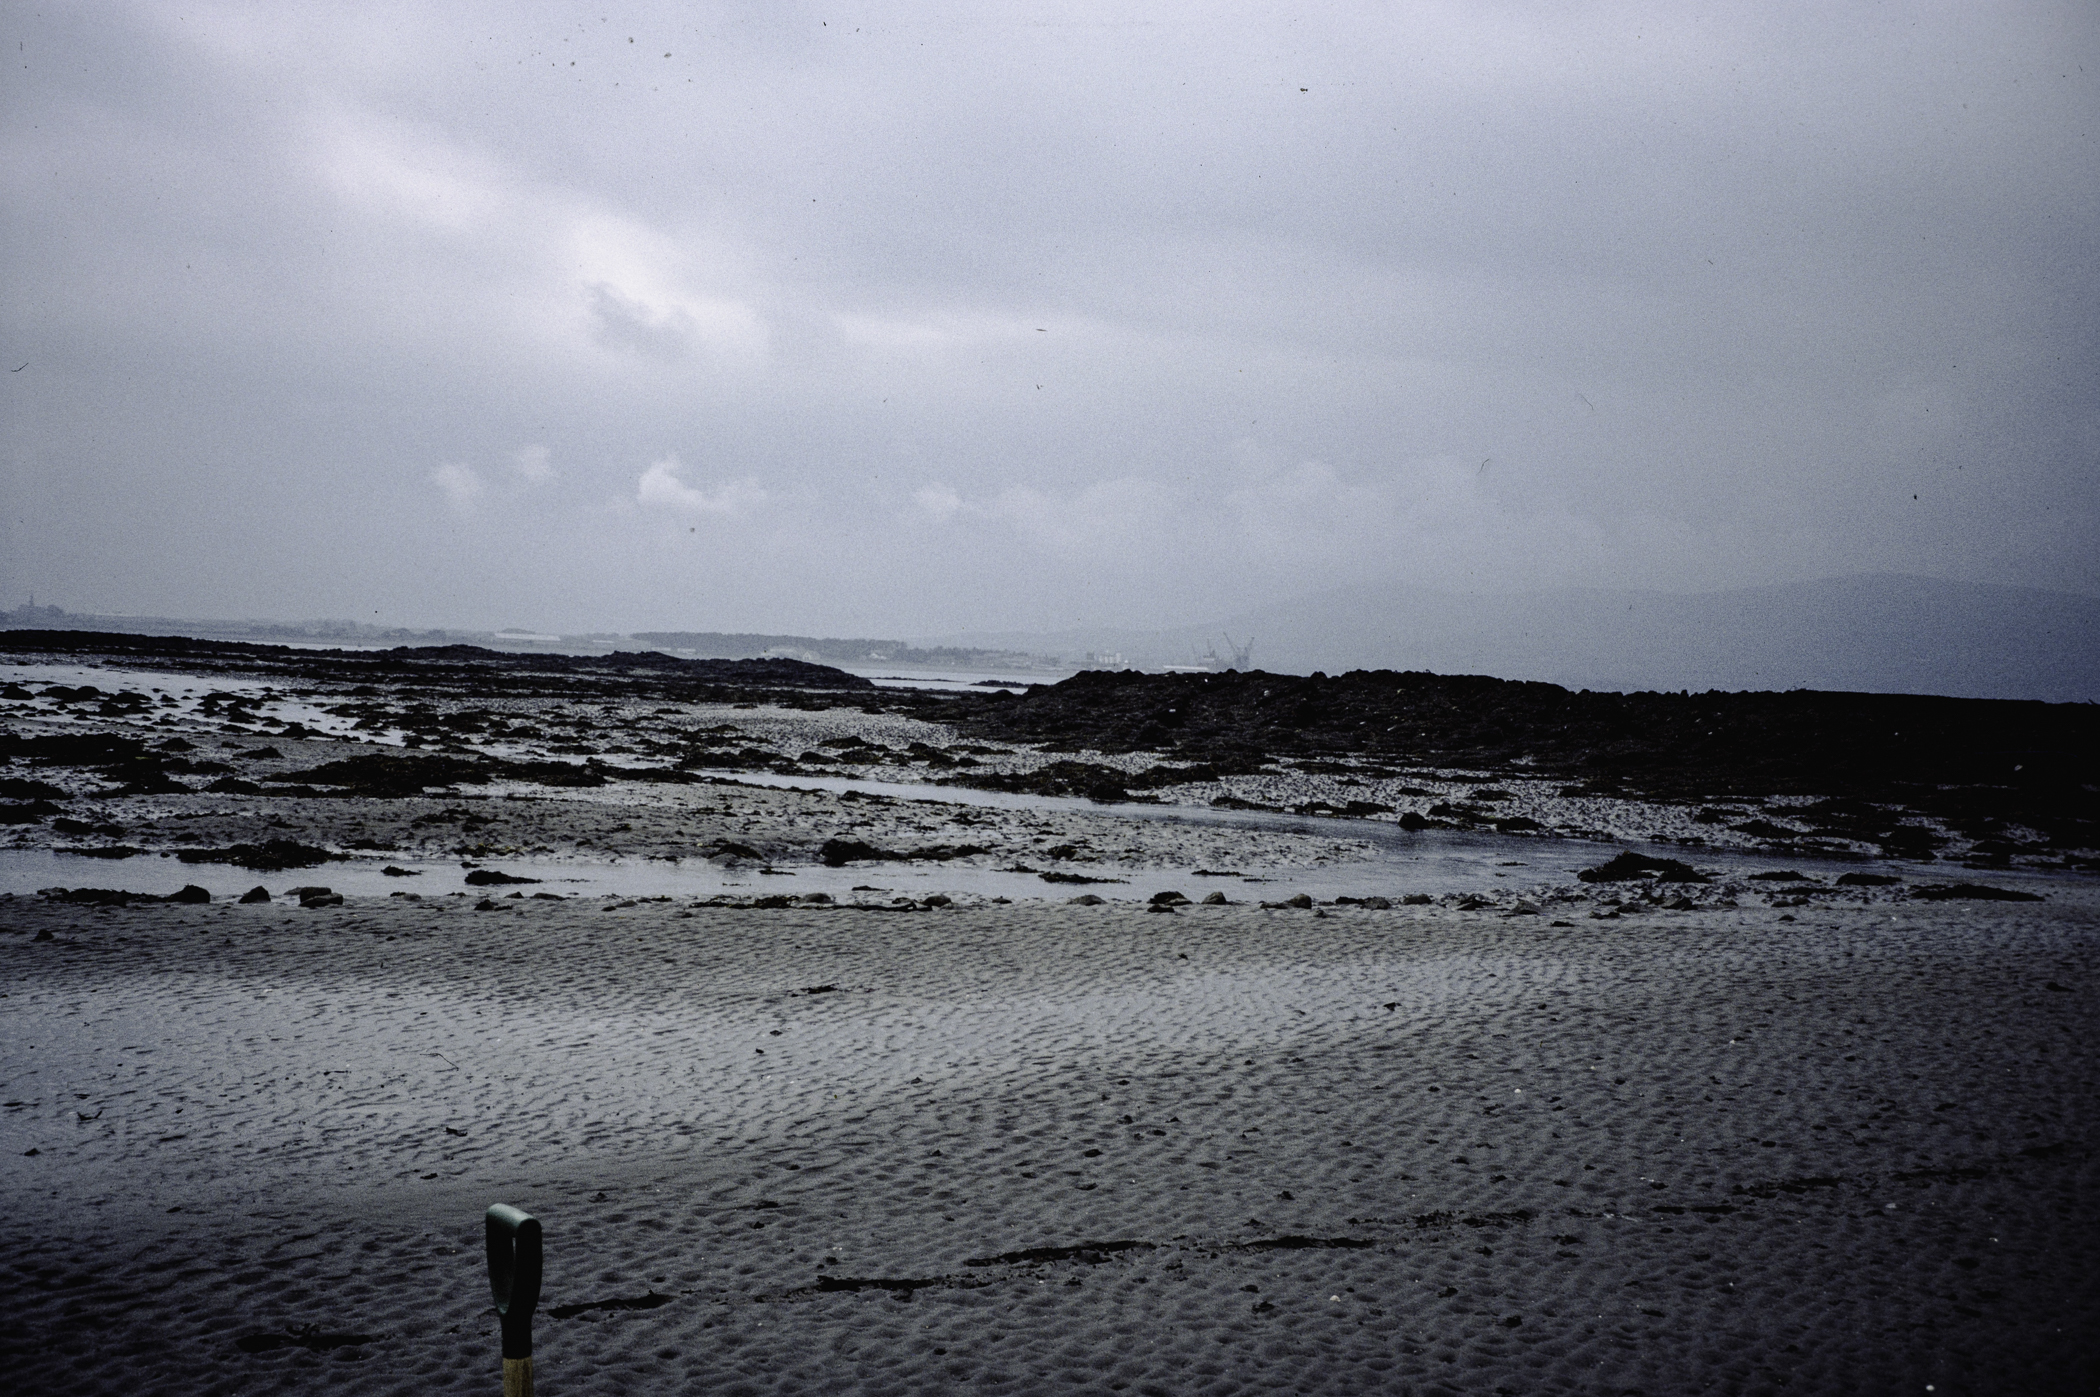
(823, 650)
(1869, 634)
(55, 618)
(692, 645)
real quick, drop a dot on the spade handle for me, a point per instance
(514, 1279)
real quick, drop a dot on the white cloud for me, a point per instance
(462, 486)
(894, 335)
(1114, 514)
(656, 332)
(1433, 521)
(414, 177)
(1726, 297)
(940, 501)
(661, 296)
(660, 487)
(531, 462)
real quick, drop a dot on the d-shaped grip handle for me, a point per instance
(514, 1274)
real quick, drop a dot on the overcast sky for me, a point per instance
(889, 321)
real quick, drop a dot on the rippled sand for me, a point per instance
(861, 1151)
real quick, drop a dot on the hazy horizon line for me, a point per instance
(818, 633)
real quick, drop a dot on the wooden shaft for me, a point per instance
(517, 1377)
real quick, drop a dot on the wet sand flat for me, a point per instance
(1044, 1148)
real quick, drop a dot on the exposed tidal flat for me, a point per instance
(1786, 1113)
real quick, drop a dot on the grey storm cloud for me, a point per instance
(898, 320)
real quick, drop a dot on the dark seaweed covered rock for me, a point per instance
(72, 748)
(1061, 778)
(270, 856)
(1630, 867)
(1871, 756)
(1977, 892)
(836, 853)
(391, 776)
(94, 897)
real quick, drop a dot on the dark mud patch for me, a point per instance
(1298, 1243)
(308, 1338)
(649, 1301)
(899, 1284)
(1091, 1253)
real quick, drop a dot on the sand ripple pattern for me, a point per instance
(1415, 1150)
